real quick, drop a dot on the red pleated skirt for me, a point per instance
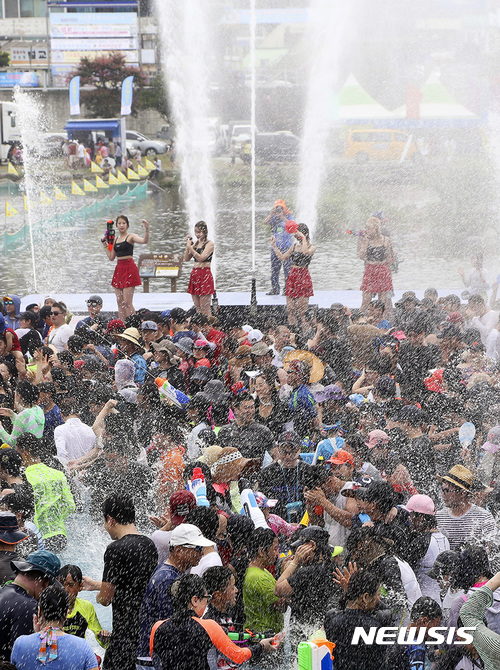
(299, 283)
(126, 274)
(201, 282)
(377, 279)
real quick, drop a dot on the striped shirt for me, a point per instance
(486, 641)
(30, 420)
(476, 524)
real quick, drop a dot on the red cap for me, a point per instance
(291, 226)
(340, 457)
(180, 504)
(202, 362)
(115, 324)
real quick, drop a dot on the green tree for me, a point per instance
(4, 58)
(106, 74)
(155, 96)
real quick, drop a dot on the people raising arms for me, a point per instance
(126, 276)
(201, 282)
(299, 286)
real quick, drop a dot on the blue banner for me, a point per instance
(127, 93)
(74, 96)
(24, 79)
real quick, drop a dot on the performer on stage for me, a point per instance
(126, 276)
(201, 281)
(299, 286)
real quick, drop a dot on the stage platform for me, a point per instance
(157, 302)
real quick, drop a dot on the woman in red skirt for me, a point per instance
(201, 281)
(299, 286)
(376, 251)
(126, 276)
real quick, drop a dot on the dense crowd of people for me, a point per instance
(337, 472)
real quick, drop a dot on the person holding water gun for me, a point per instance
(126, 276)
(185, 640)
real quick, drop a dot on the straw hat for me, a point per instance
(459, 476)
(230, 466)
(316, 366)
(132, 335)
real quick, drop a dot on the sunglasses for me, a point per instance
(55, 313)
(8, 302)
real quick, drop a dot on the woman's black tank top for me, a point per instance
(124, 248)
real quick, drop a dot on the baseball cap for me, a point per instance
(188, 535)
(9, 529)
(149, 325)
(290, 437)
(41, 561)
(94, 300)
(180, 504)
(262, 501)
(455, 317)
(202, 374)
(445, 564)
(420, 503)
(254, 336)
(201, 344)
(115, 324)
(314, 534)
(10, 461)
(376, 437)
(340, 457)
(166, 313)
(492, 443)
(330, 392)
(260, 349)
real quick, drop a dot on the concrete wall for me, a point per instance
(56, 105)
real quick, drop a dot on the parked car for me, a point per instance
(279, 146)
(148, 147)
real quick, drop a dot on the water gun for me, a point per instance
(356, 233)
(198, 487)
(243, 637)
(249, 505)
(467, 433)
(170, 393)
(316, 655)
(109, 236)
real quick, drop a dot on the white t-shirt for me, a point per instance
(73, 439)
(59, 336)
(337, 532)
(485, 324)
(161, 539)
(429, 586)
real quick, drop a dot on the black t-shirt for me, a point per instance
(280, 414)
(7, 574)
(313, 589)
(339, 628)
(286, 485)
(16, 617)
(418, 457)
(252, 441)
(128, 565)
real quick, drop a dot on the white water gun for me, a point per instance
(198, 487)
(249, 504)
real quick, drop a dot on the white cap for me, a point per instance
(254, 336)
(246, 328)
(187, 534)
